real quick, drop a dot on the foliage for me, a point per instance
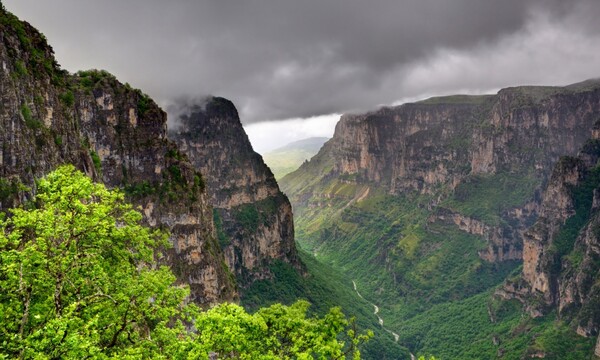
(324, 288)
(96, 160)
(77, 277)
(277, 332)
(487, 197)
(224, 240)
(20, 68)
(28, 117)
(582, 196)
(88, 79)
(79, 280)
(67, 98)
(251, 215)
(143, 104)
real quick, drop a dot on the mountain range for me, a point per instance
(459, 226)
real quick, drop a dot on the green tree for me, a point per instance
(278, 332)
(77, 274)
(79, 280)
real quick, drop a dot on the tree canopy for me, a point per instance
(79, 280)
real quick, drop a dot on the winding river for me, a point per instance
(376, 313)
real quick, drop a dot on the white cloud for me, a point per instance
(269, 135)
(547, 52)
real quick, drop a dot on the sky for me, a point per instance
(291, 67)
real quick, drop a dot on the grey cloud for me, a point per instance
(279, 59)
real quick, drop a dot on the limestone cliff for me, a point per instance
(561, 255)
(442, 147)
(438, 142)
(113, 133)
(256, 218)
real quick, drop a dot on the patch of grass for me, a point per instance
(96, 160)
(224, 240)
(20, 69)
(28, 117)
(67, 98)
(486, 197)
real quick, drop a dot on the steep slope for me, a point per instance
(256, 220)
(116, 135)
(561, 269)
(288, 158)
(423, 205)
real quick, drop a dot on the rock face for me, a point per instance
(255, 217)
(561, 255)
(432, 147)
(113, 133)
(501, 244)
(421, 146)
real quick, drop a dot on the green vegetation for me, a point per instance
(28, 117)
(251, 215)
(425, 274)
(582, 196)
(284, 160)
(67, 98)
(96, 160)
(58, 140)
(486, 197)
(477, 328)
(10, 188)
(324, 287)
(36, 57)
(20, 68)
(79, 280)
(89, 79)
(224, 240)
(143, 104)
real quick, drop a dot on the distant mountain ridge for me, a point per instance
(289, 157)
(425, 205)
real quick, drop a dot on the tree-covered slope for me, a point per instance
(423, 205)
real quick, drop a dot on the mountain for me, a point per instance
(288, 158)
(561, 256)
(255, 219)
(425, 207)
(116, 135)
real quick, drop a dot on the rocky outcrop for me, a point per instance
(440, 141)
(256, 218)
(501, 244)
(432, 147)
(113, 133)
(561, 252)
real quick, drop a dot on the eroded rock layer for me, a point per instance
(113, 133)
(255, 217)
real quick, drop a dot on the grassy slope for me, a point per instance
(288, 158)
(426, 276)
(323, 288)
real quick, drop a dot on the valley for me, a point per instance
(425, 205)
(460, 227)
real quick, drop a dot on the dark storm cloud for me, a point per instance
(279, 59)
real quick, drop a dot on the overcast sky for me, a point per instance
(300, 59)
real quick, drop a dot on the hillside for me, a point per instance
(424, 206)
(288, 158)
